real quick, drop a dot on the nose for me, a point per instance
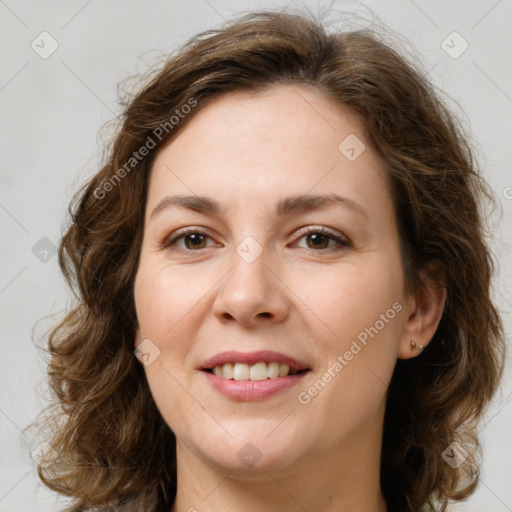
(251, 294)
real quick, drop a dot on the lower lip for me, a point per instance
(251, 390)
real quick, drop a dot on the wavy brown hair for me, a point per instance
(114, 449)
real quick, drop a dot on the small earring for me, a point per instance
(413, 346)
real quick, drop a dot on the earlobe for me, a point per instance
(416, 347)
(426, 310)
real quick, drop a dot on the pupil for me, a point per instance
(195, 240)
(318, 238)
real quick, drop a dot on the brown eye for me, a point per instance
(195, 241)
(319, 239)
(188, 240)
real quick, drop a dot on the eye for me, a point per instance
(319, 238)
(188, 239)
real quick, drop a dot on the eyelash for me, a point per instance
(342, 242)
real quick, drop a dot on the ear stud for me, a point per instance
(413, 346)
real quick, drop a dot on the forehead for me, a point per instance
(288, 140)
(282, 117)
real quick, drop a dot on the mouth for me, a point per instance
(259, 371)
(254, 366)
(253, 376)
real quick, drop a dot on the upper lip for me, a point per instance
(233, 356)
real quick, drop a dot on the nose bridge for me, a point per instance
(251, 290)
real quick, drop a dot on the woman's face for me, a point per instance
(270, 240)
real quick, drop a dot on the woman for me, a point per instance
(283, 286)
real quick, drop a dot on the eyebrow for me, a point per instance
(285, 207)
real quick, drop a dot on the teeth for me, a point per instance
(258, 371)
(283, 370)
(227, 371)
(273, 370)
(240, 371)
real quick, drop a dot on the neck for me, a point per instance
(346, 479)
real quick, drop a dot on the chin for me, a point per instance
(254, 448)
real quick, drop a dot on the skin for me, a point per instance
(306, 298)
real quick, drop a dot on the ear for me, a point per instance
(424, 310)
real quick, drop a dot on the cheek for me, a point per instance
(361, 312)
(163, 296)
(165, 307)
(349, 299)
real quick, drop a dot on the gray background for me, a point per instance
(52, 111)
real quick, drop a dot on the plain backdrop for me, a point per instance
(61, 63)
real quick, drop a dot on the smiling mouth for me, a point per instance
(261, 370)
